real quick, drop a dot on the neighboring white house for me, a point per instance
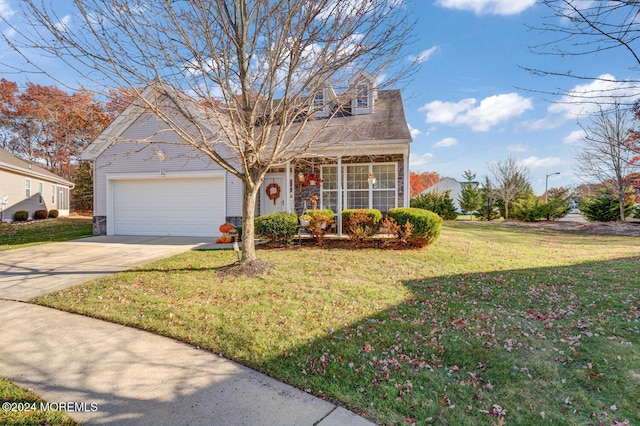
(146, 182)
(447, 184)
(26, 186)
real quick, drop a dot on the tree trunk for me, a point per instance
(621, 203)
(248, 216)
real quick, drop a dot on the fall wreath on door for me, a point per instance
(273, 192)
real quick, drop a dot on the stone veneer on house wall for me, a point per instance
(99, 225)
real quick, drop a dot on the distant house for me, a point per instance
(446, 184)
(25, 186)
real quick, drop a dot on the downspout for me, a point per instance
(406, 180)
(339, 221)
(287, 177)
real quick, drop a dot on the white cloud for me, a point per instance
(423, 56)
(493, 7)
(517, 148)
(417, 160)
(575, 136)
(585, 99)
(414, 132)
(9, 32)
(445, 143)
(490, 112)
(534, 162)
(5, 10)
(63, 24)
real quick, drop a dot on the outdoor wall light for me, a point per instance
(161, 155)
(371, 178)
(301, 179)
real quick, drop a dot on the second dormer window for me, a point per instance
(318, 100)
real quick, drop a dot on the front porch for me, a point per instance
(339, 183)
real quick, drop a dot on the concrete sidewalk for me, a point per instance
(122, 375)
(127, 376)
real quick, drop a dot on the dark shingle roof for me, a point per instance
(10, 162)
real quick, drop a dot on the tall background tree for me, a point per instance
(48, 126)
(251, 68)
(470, 198)
(421, 181)
(605, 156)
(510, 179)
(488, 209)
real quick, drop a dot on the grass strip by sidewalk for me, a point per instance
(21, 407)
(17, 235)
(488, 326)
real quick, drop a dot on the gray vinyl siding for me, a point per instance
(128, 156)
(234, 192)
(13, 186)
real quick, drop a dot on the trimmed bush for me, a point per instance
(425, 225)
(328, 212)
(374, 214)
(53, 214)
(604, 207)
(439, 203)
(279, 228)
(21, 215)
(40, 214)
(529, 209)
(361, 224)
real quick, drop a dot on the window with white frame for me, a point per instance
(362, 96)
(27, 188)
(329, 192)
(318, 100)
(53, 194)
(40, 192)
(358, 192)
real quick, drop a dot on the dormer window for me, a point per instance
(318, 100)
(362, 96)
(363, 89)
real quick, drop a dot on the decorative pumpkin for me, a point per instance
(226, 227)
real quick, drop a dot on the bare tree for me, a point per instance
(592, 29)
(234, 79)
(586, 28)
(510, 179)
(605, 156)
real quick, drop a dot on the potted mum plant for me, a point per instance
(305, 219)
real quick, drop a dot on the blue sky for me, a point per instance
(471, 103)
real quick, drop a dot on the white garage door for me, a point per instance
(178, 207)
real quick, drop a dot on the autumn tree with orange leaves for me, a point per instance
(421, 181)
(50, 127)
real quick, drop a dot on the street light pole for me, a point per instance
(546, 184)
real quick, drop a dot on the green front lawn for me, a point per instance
(20, 407)
(16, 235)
(487, 326)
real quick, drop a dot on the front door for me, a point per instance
(273, 193)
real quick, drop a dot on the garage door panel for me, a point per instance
(184, 207)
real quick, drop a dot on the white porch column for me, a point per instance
(407, 186)
(288, 186)
(339, 221)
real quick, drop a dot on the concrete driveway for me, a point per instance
(33, 271)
